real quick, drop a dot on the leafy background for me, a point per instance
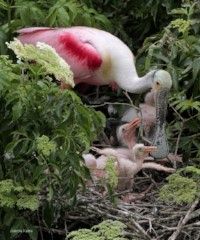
(40, 149)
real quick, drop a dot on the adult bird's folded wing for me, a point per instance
(81, 50)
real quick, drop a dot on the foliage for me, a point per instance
(44, 146)
(44, 132)
(185, 123)
(132, 21)
(176, 49)
(182, 187)
(111, 172)
(14, 195)
(111, 177)
(46, 57)
(106, 230)
(63, 13)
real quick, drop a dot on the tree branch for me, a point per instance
(183, 221)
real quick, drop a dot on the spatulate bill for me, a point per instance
(159, 137)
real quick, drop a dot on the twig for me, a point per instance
(190, 118)
(177, 143)
(40, 227)
(58, 231)
(140, 218)
(130, 100)
(191, 136)
(151, 179)
(179, 135)
(194, 135)
(177, 113)
(195, 214)
(66, 230)
(140, 228)
(120, 216)
(105, 138)
(113, 103)
(184, 220)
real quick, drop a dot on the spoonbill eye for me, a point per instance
(157, 83)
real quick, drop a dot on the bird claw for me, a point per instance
(95, 149)
(174, 158)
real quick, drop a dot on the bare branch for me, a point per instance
(183, 221)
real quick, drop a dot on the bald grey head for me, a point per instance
(162, 80)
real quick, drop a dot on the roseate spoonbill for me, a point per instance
(128, 163)
(99, 58)
(96, 57)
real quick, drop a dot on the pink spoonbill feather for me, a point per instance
(96, 57)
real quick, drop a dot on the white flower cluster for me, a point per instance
(46, 56)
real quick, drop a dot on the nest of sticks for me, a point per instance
(146, 217)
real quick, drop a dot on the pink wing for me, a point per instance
(80, 54)
(32, 30)
(83, 51)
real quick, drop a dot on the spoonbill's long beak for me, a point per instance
(149, 149)
(159, 138)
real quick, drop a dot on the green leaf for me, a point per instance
(179, 11)
(50, 194)
(63, 17)
(195, 67)
(48, 213)
(17, 111)
(9, 217)
(4, 5)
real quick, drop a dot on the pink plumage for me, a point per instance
(96, 57)
(76, 45)
(75, 48)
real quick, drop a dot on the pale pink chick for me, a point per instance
(126, 133)
(96, 171)
(129, 163)
(147, 113)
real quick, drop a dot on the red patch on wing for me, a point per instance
(82, 51)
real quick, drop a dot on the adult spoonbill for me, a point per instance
(99, 58)
(96, 57)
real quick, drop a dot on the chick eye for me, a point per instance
(157, 83)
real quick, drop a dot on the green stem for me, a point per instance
(9, 16)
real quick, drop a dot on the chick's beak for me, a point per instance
(133, 124)
(149, 149)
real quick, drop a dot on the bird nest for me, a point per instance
(146, 217)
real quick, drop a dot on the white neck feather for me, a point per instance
(125, 73)
(134, 84)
